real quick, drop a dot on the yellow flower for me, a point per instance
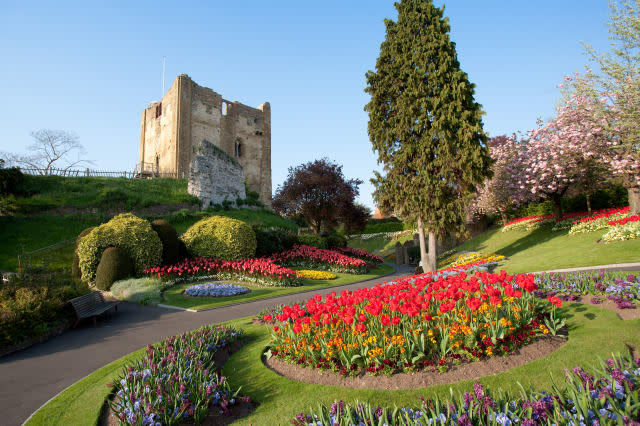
(315, 275)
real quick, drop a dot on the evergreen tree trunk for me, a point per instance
(557, 206)
(432, 252)
(634, 200)
(423, 245)
(588, 196)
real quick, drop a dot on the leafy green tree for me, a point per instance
(424, 125)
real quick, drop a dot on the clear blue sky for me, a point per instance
(91, 67)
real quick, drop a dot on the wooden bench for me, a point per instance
(91, 305)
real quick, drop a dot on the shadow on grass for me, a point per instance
(539, 236)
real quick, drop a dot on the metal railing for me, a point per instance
(140, 172)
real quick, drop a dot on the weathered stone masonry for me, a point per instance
(189, 114)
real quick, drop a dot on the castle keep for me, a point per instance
(173, 130)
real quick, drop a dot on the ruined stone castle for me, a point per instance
(194, 133)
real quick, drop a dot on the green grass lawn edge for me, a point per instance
(173, 295)
(594, 333)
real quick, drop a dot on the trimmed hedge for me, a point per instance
(127, 232)
(271, 241)
(220, 237)
(313, 240)
(114, 265)
(75, 266)
(335, 240)
(170, 241)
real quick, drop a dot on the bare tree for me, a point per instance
(52, 149)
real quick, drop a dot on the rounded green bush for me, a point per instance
(221, 238)
(126, 231)
(75, 266)
(335, 240)
(170, 241)
(313, 240)
(114, 265)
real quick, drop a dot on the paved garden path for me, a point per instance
(31, 377)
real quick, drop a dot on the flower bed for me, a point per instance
(598, 220)
(415, 323)
(315, 275)
(215, 290)
(621, 288)
(465, 258)
(519, 224)
(608, 397)
(316, 258)
(262, 271)
(389, 235)
(628, 231)
(175, 381)
(359, 254)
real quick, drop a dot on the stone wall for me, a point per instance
(190, 114)
(215, 176)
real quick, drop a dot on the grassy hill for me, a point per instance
(543, 249)
(42, 193)
(53, 210)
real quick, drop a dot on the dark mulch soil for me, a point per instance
(237, 411)
(468, 371)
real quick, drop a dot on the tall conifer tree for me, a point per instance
(424, 125)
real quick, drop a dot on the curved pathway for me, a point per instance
(29, 378)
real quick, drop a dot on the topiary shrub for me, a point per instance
(114, 265)
(313, 240)
(170, 241)
(335, 240)
(221, 238)
(75, 266)
(126, 231)
(271, 241)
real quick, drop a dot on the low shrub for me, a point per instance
(607, 397)
(11, 181)
(75, 266)
(313, 240)
(220, 237)
(114, 265)
(270, 241)
(127, 232)
(383, 227)
(170, 241)
(336, 241)
(146, 291)
(28, 310)
(144, 394)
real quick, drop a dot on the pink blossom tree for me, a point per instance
(562, 154)
(502, 191)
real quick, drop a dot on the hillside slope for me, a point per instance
(543, 249)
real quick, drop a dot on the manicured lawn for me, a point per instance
(173, 296)
(544, 249)
(594, 333)
(381, 246)
(32, 232)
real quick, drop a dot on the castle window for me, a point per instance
(225, 108)
(159, 110)
(238, 149)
